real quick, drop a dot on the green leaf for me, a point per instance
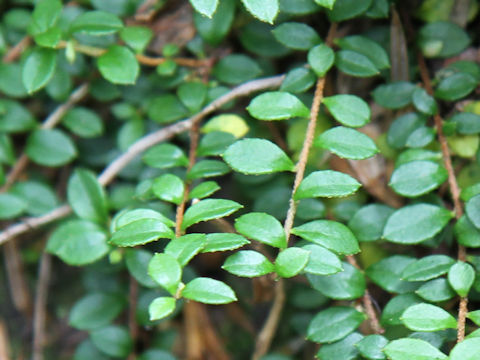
(474, 316)
(298, 80)
(427, 317)
(140, 232)
(321, 58)
(78, 242)
(466, 233)
(227, 123)
(166, 108)
(243, 157)
(413, 349)
(326, 3)
(165, 156)
(387, 273)
(209, 209)
(371, 347)
(96, 23)
(112, 340)
(355, 64)
(350, 110)
(248, 263)
(466, 350)
(208, 168)
(334, 324)
(461, 277)
(119, 65)
(45, 16)
(396, 306)
(7, 154)
(141, 214)
(416, 223)
(367, 47)
(436, 290)
(346, 349)
(15, 117)
(50, 147)
(456, 86)
(264, 10)
(137, 37)
(166, 271)
(296, 35)
(417, 178)
(204, 190)
(169, 188)
(472, 208)
(223, 242)
(236, 68)
(161, 307)
(215, 143)
(40, 198)
(205, 7)
(348, 284)
(83, 122)
(427, 268)
(347, 143)
(394, 95)
(193, 95)
(38, 69)
(87, 197)
(291, 261)
(215, 29)
(367, 224)
(326, 183)
(184, 248)
(331, 234)
(442, 39)
(321, 261)
(262, 227)
(423, 102)
(402, 129)
(421, 137)
(277, 105)
(208, 291)
(137, 263)
(11, 206)
(95, 310)
(466, 123)
(347, 9)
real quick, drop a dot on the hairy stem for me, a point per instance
(139, 147)
(454, 190)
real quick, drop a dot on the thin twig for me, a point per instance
(132, 314)
(454, 190)
(367, 303)
(139, 147)
(50, 122)
(142, 59)
(15, 52)
(39, 315)
(4, 341)
(269, 329)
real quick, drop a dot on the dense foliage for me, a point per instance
(233, 179)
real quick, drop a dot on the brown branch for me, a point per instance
(367, 303)
(132, 314)
(139, 147)
(15, 52)
(142, 59)
(4, 341)
(50, 122)
(454, 190)
(39, 315)
(269, 329)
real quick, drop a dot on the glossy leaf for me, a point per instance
(38, 69)
(347, 143)
(203, 190)
(96, 23)
(394, 95)
(248, 263)
(472, 208)
(371, 347)
(223, 242)
(330, 234)
(119, 65)
(413, 349)
(350, 110)
(367, 47)
(333, 324)
(291, 261)
(166, 271)
(321, 261)
(326, 183)
(185, 247)
(367, 223)
(455, 87)
(436, 290)
(387, 273)
(427, 268)
(208, 291)
(277, 105)
(296, 35)
(112, 340)
(140, 232)
(161, 307)
(427, 317)
(461, 277)
(165, 156)
(466, 350)
(264, 10)
(243, 157)
(417, 178)
(442, 39)
(95, 310)
(262, 227)
(347, 9)
(321, 58)
(11, 206)
(169, 188)
(205, 7)
(355, 64)
(208, 209)
(416, 223)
